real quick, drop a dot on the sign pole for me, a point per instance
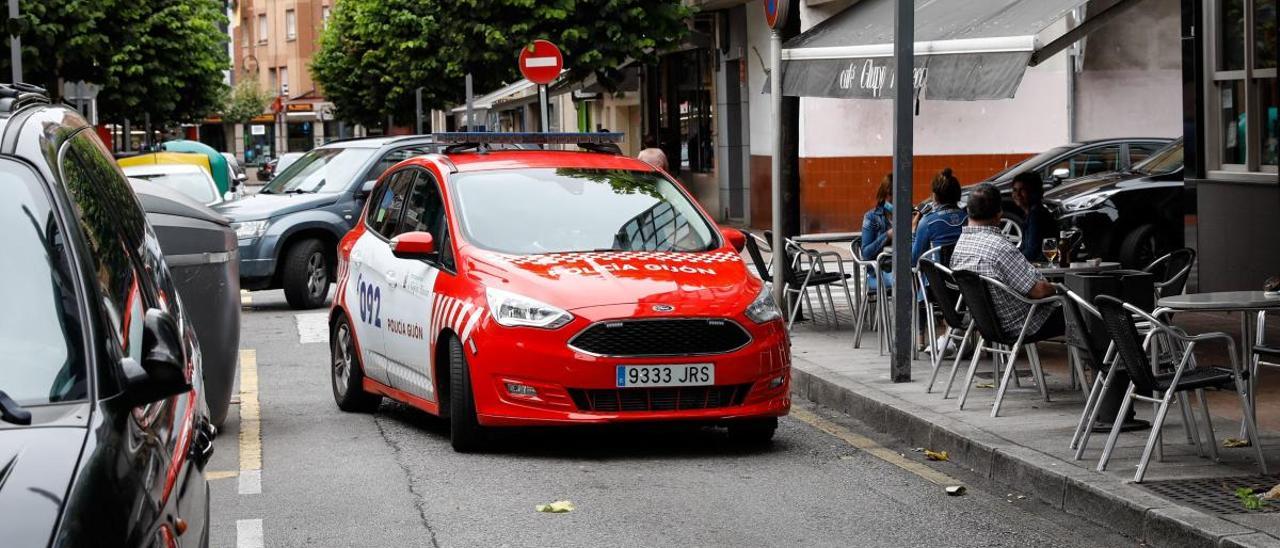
(903, 95)
(775, 172)
(15, 45)
(417, 108)
(542, 105)
(470, 104)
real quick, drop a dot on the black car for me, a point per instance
(103, 433)
(1132, 216)
(1071, 161)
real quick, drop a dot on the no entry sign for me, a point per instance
(540, 62)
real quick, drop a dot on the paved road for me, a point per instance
(329, 478)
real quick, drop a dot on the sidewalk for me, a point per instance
(1026, 448)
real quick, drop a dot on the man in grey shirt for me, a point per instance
(983, 249)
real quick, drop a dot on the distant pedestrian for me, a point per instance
(654, 157)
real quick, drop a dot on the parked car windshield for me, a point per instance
(197, 186)
(321, 170)
(533, 211)
(1030, 162)
(1163, 161)
(41, 333)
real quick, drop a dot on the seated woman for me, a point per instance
(877, 226)
(1038, 223)
(942, 226)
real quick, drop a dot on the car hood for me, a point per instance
(36, 466)
(264, 206)
(712, 283)
(1101, 182)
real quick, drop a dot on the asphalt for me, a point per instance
(331, 478)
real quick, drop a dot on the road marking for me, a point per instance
(874, 449)
(248, 533)
(250, 423)
(312, 327)
(250, 482)
(221, 474)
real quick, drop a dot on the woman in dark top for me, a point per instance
(942, 226)
(1038, 223)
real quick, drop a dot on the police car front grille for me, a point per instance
(660, 399)
(665, 337)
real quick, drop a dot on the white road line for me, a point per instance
(248, 533)
(251, 482)
(313, 327)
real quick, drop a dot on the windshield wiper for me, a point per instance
(300, 191)
(10, 411)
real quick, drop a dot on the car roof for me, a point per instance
(156, 169)
(377, 142)
(523, 159)
(1121, 140)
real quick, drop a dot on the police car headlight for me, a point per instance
(249, 230)
(513, 310)
(763, 309)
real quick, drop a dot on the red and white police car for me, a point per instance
(535, 287)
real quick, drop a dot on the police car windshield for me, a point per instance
(321, 170)
(41, 334)
(533, 211)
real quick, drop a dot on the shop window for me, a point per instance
(1242, 102)
(687, 109)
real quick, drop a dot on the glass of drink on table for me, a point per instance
(1050, 248)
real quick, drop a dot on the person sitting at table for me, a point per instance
(877, 224)
(1037, 223)
(942, 225)
(983, 249)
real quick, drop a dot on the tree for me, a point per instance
(63, 41)
(375, 53)
(246, 100)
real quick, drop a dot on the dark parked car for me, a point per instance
(1133, 216)
(1073, 160)
(103, 430)
(200, 249)
(289, 231)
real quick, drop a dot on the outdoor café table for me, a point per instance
(1247, 303)
(1061, 271)
(826, 237)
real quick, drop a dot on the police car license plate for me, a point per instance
(693, 374)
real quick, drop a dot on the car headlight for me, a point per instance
(249, 230)
(763, 309)
(511, 310)
(1086, 202)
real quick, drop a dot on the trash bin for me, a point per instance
(200, 249)
(1132, 286)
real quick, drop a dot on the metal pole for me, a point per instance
(903, 103)
(775, 172)
(417, 109)
(542, 105)
(15, 45)
(470, 104)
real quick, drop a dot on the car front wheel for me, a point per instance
(306, 274)
(345, 372)
(465, 433)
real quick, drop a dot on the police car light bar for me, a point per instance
(521, 138)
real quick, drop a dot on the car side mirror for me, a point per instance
(1061, 173)
(366, 189)
(163, 371)
(735, 238)
(413, 245)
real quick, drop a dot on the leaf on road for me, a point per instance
(557, 507)
(955, 490)
(1235, 442)
(1273, 494)
(936, 455)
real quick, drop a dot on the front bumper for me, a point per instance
(542, 360)
(257, 261)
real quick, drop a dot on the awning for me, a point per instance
(965, 50)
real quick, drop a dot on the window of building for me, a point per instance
(273, 83)
(1243, 98)
(324, 16)
(263, 31)
(686, 109)
(290, 25)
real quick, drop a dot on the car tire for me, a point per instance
(1142, 246)
(754, 432)
(346, 373)
(306, 274)
(465, 433)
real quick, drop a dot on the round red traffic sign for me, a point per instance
(540, 62)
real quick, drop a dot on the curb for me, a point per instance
(1102, 500)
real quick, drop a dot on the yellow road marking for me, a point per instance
(870, 446)
(250, 426)
(220, 474)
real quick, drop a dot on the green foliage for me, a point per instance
(375, 53)
(245, 101)
(159, 57)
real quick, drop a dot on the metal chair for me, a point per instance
(942, 286)
(757, 258)
(992, 338)
(1118, 317)
(1083, 349)
(866, 271)
(804, 269)
(1172, 271)
(940, 255)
